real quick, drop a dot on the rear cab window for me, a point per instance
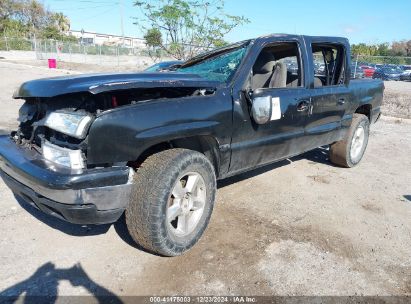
(329, 64)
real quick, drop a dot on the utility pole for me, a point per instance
(121, 2)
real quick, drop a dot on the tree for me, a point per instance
(186, 27)
(21, 18)
(61, 22)
(383, 49)
(10, 15)
(408, 47)
(154, 41)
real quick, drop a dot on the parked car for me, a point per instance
(90, 148)
(164, 65)
(292, 67)
(319, 68)
(406, 73)
(387, 73)
(356, 72)
(368, 71)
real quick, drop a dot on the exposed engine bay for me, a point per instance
(37, 126)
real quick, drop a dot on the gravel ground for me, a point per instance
(397, 99)
(299, 227)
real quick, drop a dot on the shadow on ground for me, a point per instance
(42, 286)
(56, 223)
(80, 230)
(319, 155)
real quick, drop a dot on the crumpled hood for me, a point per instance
(98, 83)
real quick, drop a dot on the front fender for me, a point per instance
(122, 134)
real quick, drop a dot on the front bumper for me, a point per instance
(89, 196)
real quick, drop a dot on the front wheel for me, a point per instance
(172, 201)
(349, 151)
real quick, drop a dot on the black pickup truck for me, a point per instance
(91, 147)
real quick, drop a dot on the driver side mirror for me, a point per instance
(261, 106)
(261, 109)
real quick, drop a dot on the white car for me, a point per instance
(406, 74)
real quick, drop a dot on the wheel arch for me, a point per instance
(205, 144)
(365, 109)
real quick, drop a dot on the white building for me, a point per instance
(107, 39)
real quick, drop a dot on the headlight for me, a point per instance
(65, 157)
(73, 124)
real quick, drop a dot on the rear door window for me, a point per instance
(329, 64)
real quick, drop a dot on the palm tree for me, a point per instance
(62, 22)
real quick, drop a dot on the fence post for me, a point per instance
(355, 69)
(118, 57)
(99, 52)
(84, 51)
(7, 45)
(56, 48)
(69, 46)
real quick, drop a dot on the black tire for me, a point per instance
(340, 151)
(146, 215)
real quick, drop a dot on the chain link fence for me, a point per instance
(383, 67)
(139, 57)
(20, 44)
(76, 52)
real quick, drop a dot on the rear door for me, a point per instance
(257, 144)
(330, 98)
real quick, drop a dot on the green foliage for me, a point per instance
(385, 60)
(27, 18)
(220, 43)
(182, 28)
(397, 48)
(153, 37)
(14, 28)
(21, 44)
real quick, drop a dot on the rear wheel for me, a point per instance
(172, 201)
(349, 151)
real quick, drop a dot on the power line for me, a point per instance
(94, 16)
(85, 7)
(87, 1)
(121, 19)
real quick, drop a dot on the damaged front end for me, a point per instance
(44, 161)
(58, 134)
(57, 127)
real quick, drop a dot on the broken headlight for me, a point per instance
(63, 156)
(72, 124)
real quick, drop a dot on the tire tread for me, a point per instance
(144, 214)
(340, 150)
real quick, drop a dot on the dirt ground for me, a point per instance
(397, 99)
(299, 227)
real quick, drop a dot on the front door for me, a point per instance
(258, 144)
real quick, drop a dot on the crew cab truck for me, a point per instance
(151, 145)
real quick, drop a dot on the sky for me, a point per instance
(369, 21)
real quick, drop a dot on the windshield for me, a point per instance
(220, 67)
(153, 68)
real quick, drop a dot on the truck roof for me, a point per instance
(276, 35)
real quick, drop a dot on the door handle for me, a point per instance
(303, 105)
(341, 101)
